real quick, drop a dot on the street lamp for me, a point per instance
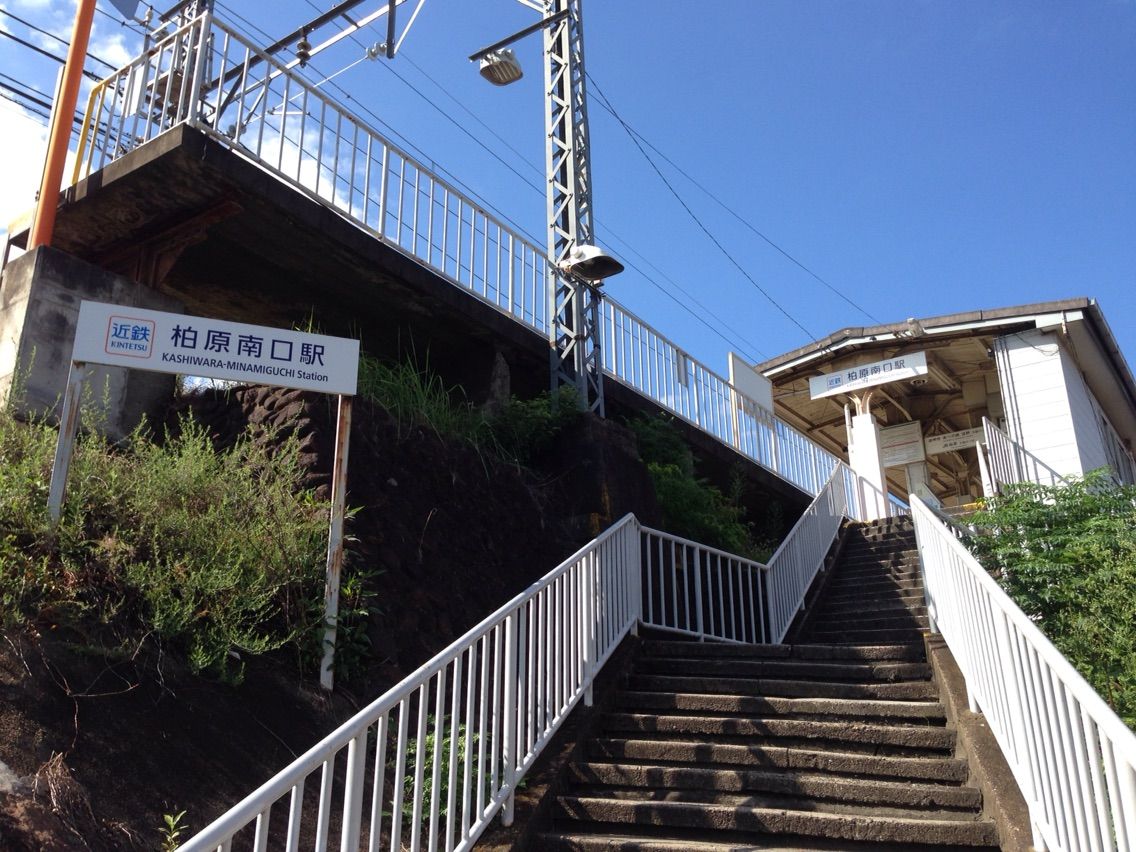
(580, 266)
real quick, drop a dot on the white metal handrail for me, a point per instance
(207, 76)
(695, 590)
(1073, 758)
(794, 565)
(430, 762)
(1007, 462)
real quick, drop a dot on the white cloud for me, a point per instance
(23, 142)
(23, 139)
(113, 49)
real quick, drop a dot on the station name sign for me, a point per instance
(198, 346)
(852, 379)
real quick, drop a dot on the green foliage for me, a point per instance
(691, 506)
(1067, 556)
(523, 432)
(526, 430)
(432, 749)
(415, 397)
(212, 553)
(171, 829)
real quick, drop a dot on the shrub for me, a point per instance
(1067, 556)
(214, 553)
(692, 507)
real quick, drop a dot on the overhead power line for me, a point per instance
(684, 305)
(52, 35)
(710, 235)
(745, 222)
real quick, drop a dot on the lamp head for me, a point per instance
(591, 263)
(500, 67)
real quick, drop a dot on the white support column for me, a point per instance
(865, 459)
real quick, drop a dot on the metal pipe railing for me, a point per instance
(1008, 462)
(795, 564)
(1072, 757)
(695, 590)
(430, 762)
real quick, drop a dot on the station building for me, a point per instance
(955, 407)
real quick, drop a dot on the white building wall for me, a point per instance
(1040, 416)
(1087, 424)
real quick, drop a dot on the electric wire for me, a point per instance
(710, 235)
(743, 346)
(402, 140)
(61, 60)
(133, 25)
(52, 35)
(5, 93)
(745, 222)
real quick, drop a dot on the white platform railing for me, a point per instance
(1006, 462)
(205, 75)
(1072, 757)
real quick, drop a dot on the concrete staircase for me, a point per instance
(838, 742)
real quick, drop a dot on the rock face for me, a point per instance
(836, 742)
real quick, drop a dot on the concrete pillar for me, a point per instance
(865, 459)
(40, 294)
(919, 483)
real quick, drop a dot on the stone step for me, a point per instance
(848, 733)
(896, 571)
(762, 821)
(867, 587)
(790, 801)
(854, 635)
(819, 785)
(884, 670)
(848, 618)
(885, 548)
(757, 755)
(882, 605)
(644, 839)
(904, 691)
(915, 595)
(911, 652)
(929, 712)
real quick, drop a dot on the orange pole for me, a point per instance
(44, 223)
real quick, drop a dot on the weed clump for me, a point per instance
(214, 553)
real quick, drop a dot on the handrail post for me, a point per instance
(194, 107)
(591, 607)
(633, 552)
(509, 735)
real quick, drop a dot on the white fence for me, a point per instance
(795, 564)
(207, 76)
(1006, 462)
(430, 762)
(700, 591)
(1073, 759)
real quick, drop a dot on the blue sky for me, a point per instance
(919, 157)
